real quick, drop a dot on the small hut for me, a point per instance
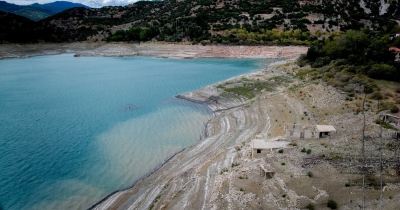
(262, 146)
(324, 130)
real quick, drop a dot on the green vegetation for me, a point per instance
(37, 11)
(361, 54)
(280, 151)
(154, 202)
(310, 174)
(253, 22)
(264, 37)
(243, 91)
(223, 170)
(310, 206)
(241, 177)
(389, 126)
(332, 204)
(234, 165)
(134, 34)
(356, 62)
(249, 88)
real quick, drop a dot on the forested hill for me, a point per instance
(279, 22)
(37, 11)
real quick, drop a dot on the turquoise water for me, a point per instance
(73, 130)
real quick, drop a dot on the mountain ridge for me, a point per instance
(38, 11)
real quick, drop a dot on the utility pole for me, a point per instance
(380, 160)
(363, 153)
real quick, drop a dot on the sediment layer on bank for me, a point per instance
(150, 49)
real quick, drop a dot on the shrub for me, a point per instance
(205, 42)
(223, 171)
(332, 204)
(394, 108)
(310, 174)
(377, 95)
(280, 151)
(303, 150)
(234, 164)
(302, 60)
(308, 151)
(382, 71)
(310, 207)
(322, 61)
(340, 62)
(283, 163)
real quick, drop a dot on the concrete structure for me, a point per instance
(262, 146)
(265, 170)
(324, 130)
(394, 120)
(308, 131)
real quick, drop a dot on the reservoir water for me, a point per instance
(73, 130)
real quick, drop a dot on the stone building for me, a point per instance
(308, 131)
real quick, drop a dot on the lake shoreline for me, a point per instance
(209, 96)
(166, 50)
(217, 129)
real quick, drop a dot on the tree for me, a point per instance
(378, 50)
(382, 71)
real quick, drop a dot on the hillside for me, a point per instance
(18, 29)
(216, 21)
(253, 22)
(37, 11)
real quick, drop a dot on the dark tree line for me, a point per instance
(367, 51)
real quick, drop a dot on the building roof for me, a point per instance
(392, 116)
(299, 127)
(264, 144)
(325, 128)
(394, 49)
